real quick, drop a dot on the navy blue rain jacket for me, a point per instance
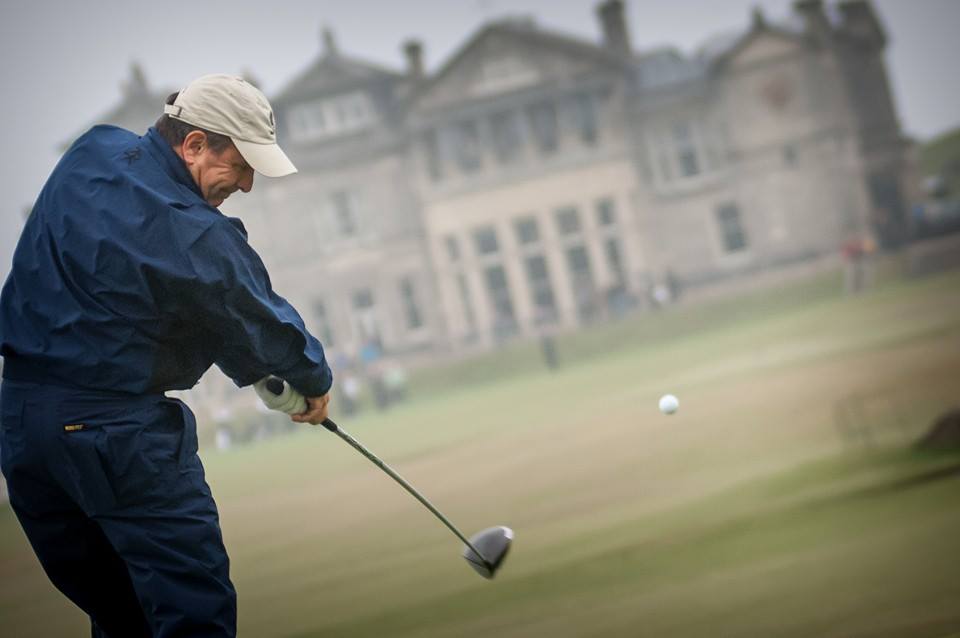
(125, 279)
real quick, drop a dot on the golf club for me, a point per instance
(484, 551)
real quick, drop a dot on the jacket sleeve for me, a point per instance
(258, 331)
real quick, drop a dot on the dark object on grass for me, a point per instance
(548, 347)
(945, 433)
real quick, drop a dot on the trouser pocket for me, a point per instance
(117, 458)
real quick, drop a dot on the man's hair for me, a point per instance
(175, 131)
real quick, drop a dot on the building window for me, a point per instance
(331, 116)
(714, 147)
(307, 121)
(731, 228)
(666, 169)
(453, 248)
(543, 123)
(618, 298)
(585, 117)
(468, 146)
(363, 299)
(411, 308)
(646, 170)
(505, 136)
(468, 314)
(606, 213)
(485, 241)
(504, 73)
(353, 111)
(527, 230)
(504, 320)
(365, 316)
(686, 150)
(538, 278)
(568, 221)
(658, 146)
(431, 153)
(581, 278)
(790, 155)
(343, 204)
(615, 262)
(323, 323)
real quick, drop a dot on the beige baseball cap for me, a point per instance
(231, 106)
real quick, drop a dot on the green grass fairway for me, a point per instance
(744, 514)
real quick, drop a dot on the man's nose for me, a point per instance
(246, 181)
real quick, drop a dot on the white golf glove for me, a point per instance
(289, 401)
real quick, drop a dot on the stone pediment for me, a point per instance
(509, 57)
(761, 45)
(332, 74)
(336, 96)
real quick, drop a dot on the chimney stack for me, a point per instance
(248, 75)
(860, 21)
(815, 20)
(329, 43)
(614, 25)
(137, 83)
(413, 50)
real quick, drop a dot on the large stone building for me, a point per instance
(537, 179)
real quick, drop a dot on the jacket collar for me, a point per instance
(169, 160)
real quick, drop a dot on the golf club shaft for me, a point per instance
(333, 427)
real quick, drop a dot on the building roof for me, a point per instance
(666, 67)
(331, 72)
(525, 29)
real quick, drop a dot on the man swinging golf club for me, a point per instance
(128, 282)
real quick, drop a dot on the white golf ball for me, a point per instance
(669, 404)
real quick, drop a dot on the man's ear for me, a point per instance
(193, 146)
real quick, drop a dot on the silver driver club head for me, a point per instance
(493, 544)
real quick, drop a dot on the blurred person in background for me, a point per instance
(128, 282)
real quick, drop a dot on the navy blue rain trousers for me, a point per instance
(111, 494)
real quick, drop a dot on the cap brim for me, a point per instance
(266, 159)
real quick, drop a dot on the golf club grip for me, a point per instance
(276, 385)
(330, 425)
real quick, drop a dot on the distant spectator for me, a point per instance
(545, 323)
(349, 393)
(370, 353)
(673, 284)
(661, 295)
(395, 380)
(378, 388)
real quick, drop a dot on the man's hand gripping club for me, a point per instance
(280, 396)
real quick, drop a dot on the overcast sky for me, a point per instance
(63, 61)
